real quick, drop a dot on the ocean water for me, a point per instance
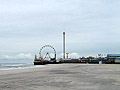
(11, 66)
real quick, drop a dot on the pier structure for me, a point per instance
(40, 60)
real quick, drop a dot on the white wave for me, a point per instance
(19, 66)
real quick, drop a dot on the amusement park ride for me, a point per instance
(40, 60)
(44, 60)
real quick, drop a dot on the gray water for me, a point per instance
(11, 66)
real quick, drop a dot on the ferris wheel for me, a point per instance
(47, 53)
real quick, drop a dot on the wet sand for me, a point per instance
(63, 77)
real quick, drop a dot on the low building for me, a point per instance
(113, 58)
(117, 60)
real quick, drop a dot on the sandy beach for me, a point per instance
(63, 77)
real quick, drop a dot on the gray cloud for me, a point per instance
(91, 26)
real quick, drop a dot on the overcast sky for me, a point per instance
(91, 26)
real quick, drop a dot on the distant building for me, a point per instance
(117, 60)
(113, 58)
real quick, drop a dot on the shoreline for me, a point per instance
(7, 69)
